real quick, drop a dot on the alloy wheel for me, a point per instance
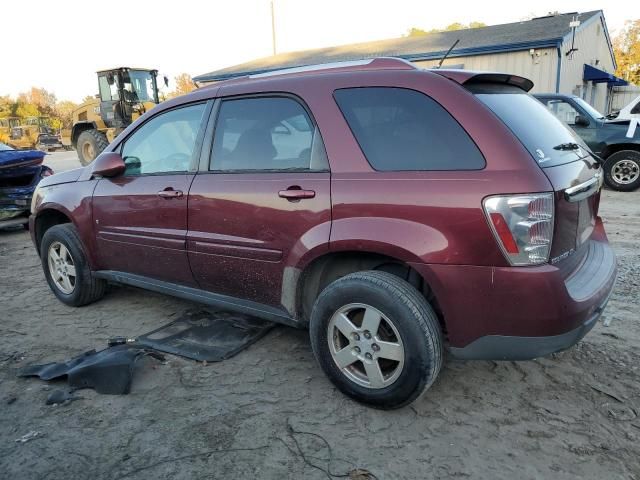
(61, 268)
(366, 345)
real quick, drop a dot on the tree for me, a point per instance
(415, 32)
(64, 112)
(184, 84)
(43, 100)
(626, 46)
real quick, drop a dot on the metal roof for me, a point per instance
(536, 33)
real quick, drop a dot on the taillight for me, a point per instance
(522, 225)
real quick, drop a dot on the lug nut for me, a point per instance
(356, 337)
(367, 335)
(356, 349)
(375, 347)
(368, 356)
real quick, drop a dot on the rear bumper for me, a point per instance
(498, 347)
(518, 313)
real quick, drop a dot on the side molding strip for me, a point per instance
(239, 305)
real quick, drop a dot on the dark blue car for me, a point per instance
(20, 172)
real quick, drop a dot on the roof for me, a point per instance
(536, 33)
(126, 68)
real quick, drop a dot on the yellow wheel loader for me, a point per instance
(125, 94)
(30, 133)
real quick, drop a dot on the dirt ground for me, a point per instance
(270, 412)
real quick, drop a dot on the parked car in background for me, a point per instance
(629, 112)
(393, 211)
(20, 172)
(617, 142)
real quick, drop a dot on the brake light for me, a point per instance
(522, 225)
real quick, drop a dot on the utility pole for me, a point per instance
(273, 29)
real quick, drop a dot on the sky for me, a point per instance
(65, 42)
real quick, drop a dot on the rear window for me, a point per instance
(400, 129)
(542, 134)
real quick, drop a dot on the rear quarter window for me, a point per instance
(404, 130)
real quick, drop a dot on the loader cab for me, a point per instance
(125, 94)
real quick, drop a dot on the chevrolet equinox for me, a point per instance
(391, 210)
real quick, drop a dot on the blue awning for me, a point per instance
(595, 75)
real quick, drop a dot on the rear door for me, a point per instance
(564, 157)
(261, 199)
(140, 217)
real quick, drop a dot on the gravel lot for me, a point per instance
(270, 412)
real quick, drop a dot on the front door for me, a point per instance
(140, 218)
(262, 203)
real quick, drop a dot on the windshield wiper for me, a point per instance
(567, 146)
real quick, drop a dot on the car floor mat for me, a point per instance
(206, 335)
(108, 371)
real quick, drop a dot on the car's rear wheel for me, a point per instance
(66, 269)
(622, 170)
(377, 338)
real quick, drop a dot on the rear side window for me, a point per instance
(546, 138)
(400, 129)
(266, 134)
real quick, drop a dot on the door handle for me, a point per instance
(170, 193)
(296, 193)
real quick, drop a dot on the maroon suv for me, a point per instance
(393, 211)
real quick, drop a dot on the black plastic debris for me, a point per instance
(201, 334)
(206, 335)
(108, 371)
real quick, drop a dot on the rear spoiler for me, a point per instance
(466, 77)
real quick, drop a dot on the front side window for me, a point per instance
(266, 133)
(165, 143)
(563, 110)
(402, 130)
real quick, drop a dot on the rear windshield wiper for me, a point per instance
(567, 146)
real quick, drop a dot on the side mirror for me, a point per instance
(108, 164)
(581, 121)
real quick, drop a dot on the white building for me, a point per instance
(563, 53)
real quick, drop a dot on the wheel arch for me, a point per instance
(618, 147)
(78, 128)
(330, 266)
(46, 218)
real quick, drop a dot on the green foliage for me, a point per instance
(416, 32)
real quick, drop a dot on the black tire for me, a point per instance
(93, 139)
(87, 288)
(414, 320)
(613, 161)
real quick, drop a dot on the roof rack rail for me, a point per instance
(379, 63)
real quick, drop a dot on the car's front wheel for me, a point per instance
(66, 269)
(377, 338)
(622, 170)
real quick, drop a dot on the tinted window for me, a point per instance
(563, 110)
(541, 133)
(266, 133)
(165, 143)
(401, 129)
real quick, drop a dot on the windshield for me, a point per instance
(550, 141)
(139, 86)
(592, 112)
